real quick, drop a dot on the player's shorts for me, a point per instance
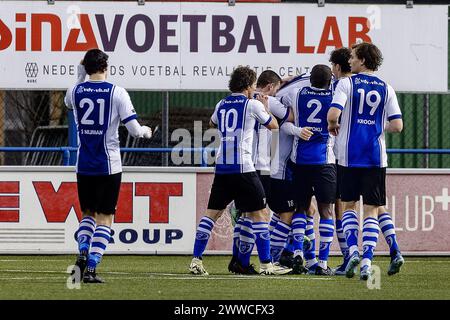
(317, 180)
(281, 198)
(264, 176)
(245, 189)
(368, 182)
(99, 193)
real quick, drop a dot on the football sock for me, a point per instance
(85, 232)
(298, 232)
(273, 221)
(262, 241)
(341, 239)
(246, 242)
(100, 240)
(278, 239)
(310, 253)
(388, 229)
(236, 232)
(370, 238)
(351, 230)
(326, 231)
(204, 228)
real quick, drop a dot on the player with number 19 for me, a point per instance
(99, 107)
(368, 108)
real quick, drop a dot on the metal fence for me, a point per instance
(40, 119)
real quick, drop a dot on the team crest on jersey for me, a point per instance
(202, 235)
(245, 247)
(80, 89)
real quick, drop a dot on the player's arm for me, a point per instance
(394, 114)
(290, 129)
(213, 121)
(81, 77)
(128, 115)
(337, 105)
(263, 114)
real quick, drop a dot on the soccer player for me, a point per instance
(267, 84)
(235, 175)
(314, 168)
(369, 107)
(341, 69)
(99, 107)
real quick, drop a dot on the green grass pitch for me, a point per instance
(166, 277)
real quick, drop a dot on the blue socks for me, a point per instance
(262, 241)
(202, 236)
(341, 239)
(298, 232)
(370, 238)
(310, 253)
(351, 230)
(278, 238)
(100, 240)
(326, 231)
(246, 242)
(85, 232)
(388, 229)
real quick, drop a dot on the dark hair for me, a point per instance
(340, 57)
(95, 60)
(267, 77)
(241, 78)
(320, 76)
(370, 53)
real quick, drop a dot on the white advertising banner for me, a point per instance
(40, 212)
(195, 46)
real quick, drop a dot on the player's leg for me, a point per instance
(349, 189)
(107, 197)
(310, 250)
(86, 194)
(388, 229)
(374, 196)
(100, 241)
(279, 236)
(338, 211)
(281, 202)
(303, 192)
(325, 192)
(219, 198)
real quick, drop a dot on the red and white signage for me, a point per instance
(159, 209)
(40, 211)
(195, 46)
(418, 200)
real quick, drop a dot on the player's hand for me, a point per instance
(147, 133)
(306, 133)
(334, 130)
(264, 100)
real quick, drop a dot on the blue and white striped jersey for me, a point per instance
(367, 102)
(235, 117)
(263, 136)
(279, 168)
(98, 108)
(310, 106)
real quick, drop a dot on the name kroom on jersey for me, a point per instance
(28, 31)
